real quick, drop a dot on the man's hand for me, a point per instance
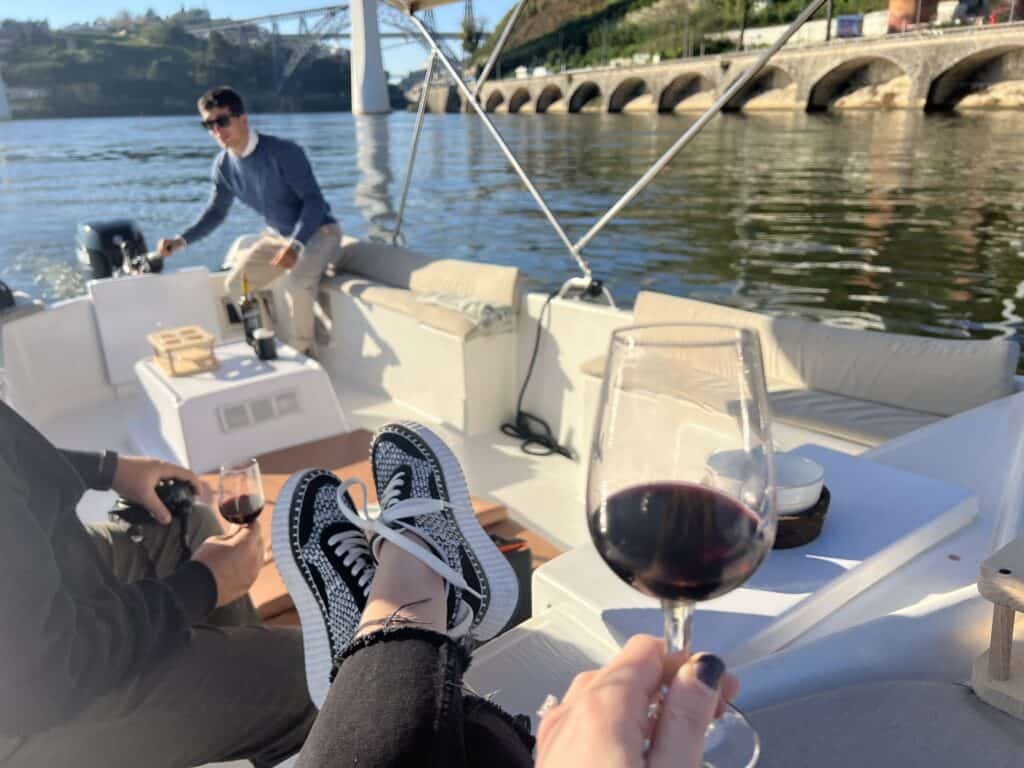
(603, 718)
(136, 479)
(234, 559)
(286, 258)
(168, 245)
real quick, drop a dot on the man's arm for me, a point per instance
(212, 216)
(61, 648)
(299, 176)
(96, 469)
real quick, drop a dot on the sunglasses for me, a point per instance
(221, 121)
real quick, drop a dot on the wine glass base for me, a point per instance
(731, 742)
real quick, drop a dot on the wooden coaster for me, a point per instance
(797, 530)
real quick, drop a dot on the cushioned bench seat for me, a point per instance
(400, 319)
(858, 386)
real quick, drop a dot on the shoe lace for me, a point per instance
(388, 518)
(352, 548)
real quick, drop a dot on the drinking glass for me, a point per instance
(240, 493)
(680, 490)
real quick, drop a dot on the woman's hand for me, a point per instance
(603, 719)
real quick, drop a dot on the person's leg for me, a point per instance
(402, 669)
(230, 694)
(303, 282)
(152, 550)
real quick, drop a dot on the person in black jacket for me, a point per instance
(110, 652)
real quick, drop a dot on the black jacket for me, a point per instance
(69, 630)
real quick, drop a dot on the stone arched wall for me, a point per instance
(772, 78)
(547, 97)
(519, 97)
(584, 94)
(965, 76)
(625, 92)
(494, 100)
(882, 83)
(680, 88)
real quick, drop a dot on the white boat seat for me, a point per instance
(129, 308)
(888, 725)
(859, 386)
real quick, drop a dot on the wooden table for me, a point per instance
(347, 456)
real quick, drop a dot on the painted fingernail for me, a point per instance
(710, 669)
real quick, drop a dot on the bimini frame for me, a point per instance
(584, 283)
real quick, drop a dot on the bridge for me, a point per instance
(934, 71)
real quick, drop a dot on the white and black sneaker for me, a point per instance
(325, 562)
(421, 489)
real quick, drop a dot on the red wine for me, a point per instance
(678, 541)
(241, 509)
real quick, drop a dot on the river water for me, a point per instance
(895, 221)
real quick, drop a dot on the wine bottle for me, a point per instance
(249, 308)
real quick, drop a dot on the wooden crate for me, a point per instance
(183, 351)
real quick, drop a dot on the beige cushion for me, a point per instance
(404, 302)
(859, 421)
(402, 268)
(938, 376)
(889, 725)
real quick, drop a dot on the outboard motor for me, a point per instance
(116, 247)
(6, 297)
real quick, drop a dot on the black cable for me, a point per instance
(536, 434)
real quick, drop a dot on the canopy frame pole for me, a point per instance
(498, 49)
(496, 134)
(415, 146)
(691, 133)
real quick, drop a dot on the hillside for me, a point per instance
(577, 33)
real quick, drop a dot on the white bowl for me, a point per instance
(798, 482)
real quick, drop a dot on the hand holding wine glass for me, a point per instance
(240, 495)
(679, 403)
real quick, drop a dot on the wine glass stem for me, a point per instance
(678, 619)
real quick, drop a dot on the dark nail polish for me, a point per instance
(710, 669)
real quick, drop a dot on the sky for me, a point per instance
(397, 59)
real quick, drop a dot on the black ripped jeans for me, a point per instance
(398, 700)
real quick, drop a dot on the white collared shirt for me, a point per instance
(250, 146)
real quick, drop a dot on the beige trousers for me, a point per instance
(251, 258)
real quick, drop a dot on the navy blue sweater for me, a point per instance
(275, 181)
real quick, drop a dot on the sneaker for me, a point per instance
(325, 562)
(421, 490)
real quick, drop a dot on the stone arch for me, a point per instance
(583, 95)
(973, 73)
(628, 90)
(682, 88)
(772, 78)
(519, 97)
(879, 83)
(547, 97)
(495, 100)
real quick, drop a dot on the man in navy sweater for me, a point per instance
(273, 177)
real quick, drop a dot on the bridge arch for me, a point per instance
(628, 90)
(972, 73)
(682, 88)
(520, 97)
(495, 100)
(584, 95)
(547, 97)
(881, 83)
(773, 88)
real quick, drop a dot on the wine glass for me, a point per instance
(240, 493)
(680, 490)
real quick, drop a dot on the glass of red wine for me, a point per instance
(680, 490)
(240, 494)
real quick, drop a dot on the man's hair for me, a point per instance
(222, 96)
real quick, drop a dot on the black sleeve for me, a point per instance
(61, 646)
(96, 469)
